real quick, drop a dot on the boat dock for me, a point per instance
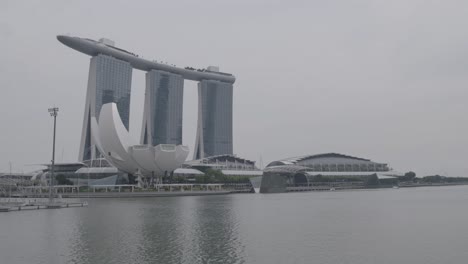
(18, 204)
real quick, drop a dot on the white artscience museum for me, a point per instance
(115, 144)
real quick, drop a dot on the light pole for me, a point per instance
(53, 112)
(10, 182)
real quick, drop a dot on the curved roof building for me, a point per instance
(332, 162)
(223, 162)
(308, 171)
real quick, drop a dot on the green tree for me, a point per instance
(180, 179)
(215, 175)
(433, 179)
(62, 180)
(409, 176)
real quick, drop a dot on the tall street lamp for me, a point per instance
(53, 112)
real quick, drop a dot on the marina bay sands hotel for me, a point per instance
(110, 78)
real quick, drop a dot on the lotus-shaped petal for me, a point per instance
(115, 144)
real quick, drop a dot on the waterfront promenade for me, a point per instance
(125, 191)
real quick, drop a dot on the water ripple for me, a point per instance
(332, 227)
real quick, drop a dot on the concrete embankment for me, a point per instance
(113, 194)
(431, 184)
(141, 194)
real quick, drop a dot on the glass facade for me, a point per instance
(109, 81)
(113, 85)
(163, 108)
(215, 119)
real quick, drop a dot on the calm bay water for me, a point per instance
(418, 225)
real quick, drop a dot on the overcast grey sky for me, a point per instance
(385, 80)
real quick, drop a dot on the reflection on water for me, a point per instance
(162, 232)
(216, 232)
(423, 225)
(106, 231)
(166, 230)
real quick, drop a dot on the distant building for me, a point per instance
(162, 115)
(13, 180)
(109, 81)
(116, 145)
(333, 162)
(101, 172)
(79, 174)
(214, 130)
(230, 165)
(280, 175)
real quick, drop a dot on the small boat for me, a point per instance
(4, 209)
(396, 187)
